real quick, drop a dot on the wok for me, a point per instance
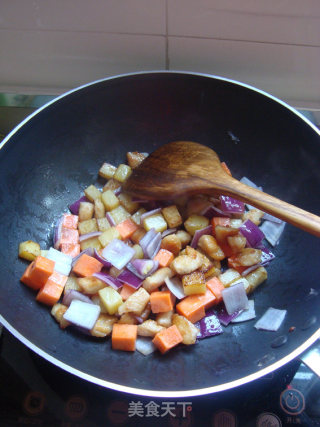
(48, 160)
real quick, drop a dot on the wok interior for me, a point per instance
(49, 161)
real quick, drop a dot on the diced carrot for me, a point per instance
(216, 287)
(126, 291)
(191, 308)
(69, 235)
(161, 301)
(124, 337)
(70, 249)
(40, 271)
(51, 292)
(70, 221)
(219, 220)
(208, 299)
(167, 339)
(225, 168)
(87, 265)
(164, 258)
(126, 228)
(227, 250)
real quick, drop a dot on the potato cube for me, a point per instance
(103, 326)
(110, 200)
(149, 328)
(138, 234)
(184, 237)
(119, 214)
(112, 184)
(254, 215)
(92, 193)
(237, 243)
(127, 203)
(122, 173)
(255, 278)
(171, 243)
(134, 158)
(88, 226)
(222, 233)
(165, 319)
(29, 250)
(195, 222)
(210, 247)
(57, 312)
(136, 302)
(103, 224)
(155, 221)
(86, 210)
(172, 216)
(187, 329)
(136, 216)
(151, 283)
(71, 283)
(111, 299)
(107, 170)
(90, 285)
(228, 277)
(197, 204)
(146, 312)
(194, 283)
(107, 236)
(91, 243)
(212, 272)
(247, 257)
(99, 209)
(128, 319)
(184, 264)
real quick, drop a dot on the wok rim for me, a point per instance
(146, 392)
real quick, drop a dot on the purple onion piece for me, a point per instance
(82, 314)
(153, 247)
(226, 318)
(235, 298)
(175, 286)
(168, 231)
(87, 236)
(209, 326)
(118, 253)
(117, 191)
(252, 233)
(200, 233)
(108, 280)
(74, 207)
(231, 205)
(129, 279)
(110, 219)
(145, 267)
(72, 294)
(134, 271)
(103, 261)
(146, 239)
(212, 210)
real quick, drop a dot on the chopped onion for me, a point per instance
(226, 318)
(145, 345)
(110, 219)
(250, 269)
(118, 253)
(272, 231)
(57, 233)
(209, 326)
(72, 294)
(154, 246)
(211, 211)
(100, 258)
(87, 251)
(235, 298)
(200, 233)
(175, 286)
(246, 314)
(74, 208)
(231, 205)
(146, 239)
(87, 236)
(109, 280)
(149, 213)
(58, 257)
(271, 320)
(145, 267)
(82, 314)
(272, 218)
(266, 256)
(129, 279)
(252, 233)
(134, 271)
(117, 191)
(168, 231)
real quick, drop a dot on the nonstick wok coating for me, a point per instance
(47, 162)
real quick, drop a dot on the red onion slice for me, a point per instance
(110, 219)
(175, 287)
(209, 326)
(248, 314)
(271, 320)
(87, 236)
(118, 253)
(235, 298)
(212, 210)
(154, 246)
(72, 294)
(272, 231)
(145, 345)
(231, 205)
(226, 318)
(82, 314)
(200, 233)
(145, 267)
(108, 280)
(146, 239)
(100, 258)
(167, 232)
(252, 233)
(129, 279)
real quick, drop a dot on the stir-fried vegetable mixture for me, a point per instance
(152, 275)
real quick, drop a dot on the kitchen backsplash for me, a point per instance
(50, 46)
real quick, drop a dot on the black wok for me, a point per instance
(48, 160)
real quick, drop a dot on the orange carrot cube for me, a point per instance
(51, 292)
(167, 339)
(70, 221)
(164, 258)
(161, 301)
(124, 337)
(87, 265)
(126, 291)
(25, 278)
(39, 272)
(208, 299)
(126, 228)
(192, 308)
(70, 249)
(216, 287)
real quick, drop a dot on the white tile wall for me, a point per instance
(49, 46)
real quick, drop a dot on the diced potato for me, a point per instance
(244, 281)
(254, 215)
(134, 158)
(194, 283)
(184, 237)
(138, 234)
(119, 214)
(127, 203)
(146, 312)
(256, 277)
(29, 250)
(103, 224)
(228, 277)
(187, 329)
(172, 216)
(103, 326)
(195, 222)
(92, 193)
(235, 223)
(151, 283)
(139, 252)
(91, 243)
(136, 302)
(72, 283)
(212, 272)
(110, 200)
(155, 221)
(107, 236)
(184, 264)
(57, 312)
(171, 243)
(247, 257)
(136, 216)
(86, 210)
(112, 184)
(107, 170)
(96, 300)
(237, 243)
(128, 319)
(165, 319)
(110, 299)
(222, 233)
(122, 173)
(99, 209)
(88, 226)
(210, 247)
(149, 328)
(91, 285)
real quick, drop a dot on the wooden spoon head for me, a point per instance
(177, 168)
